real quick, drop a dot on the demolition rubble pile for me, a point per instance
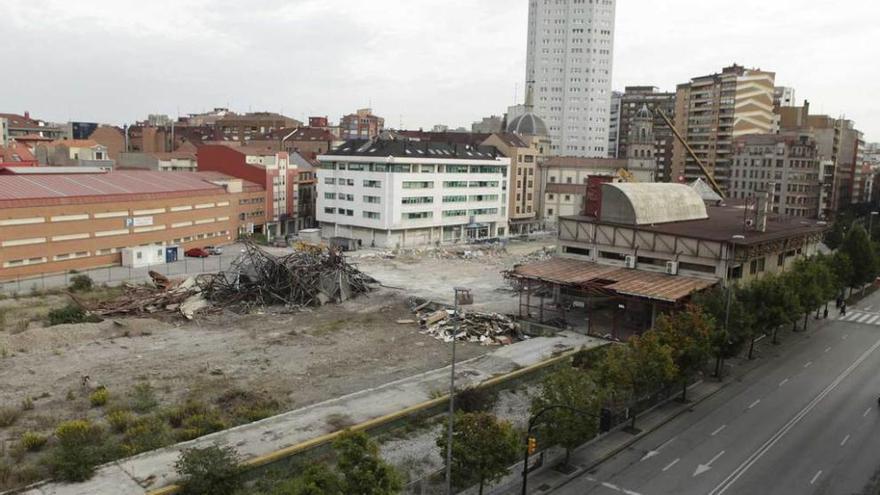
(306, 277)
(438, 321)
(168, 296)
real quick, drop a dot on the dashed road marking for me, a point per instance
(816, 476)
(669, 466)
(753, 404)
(873, 319)
(827, 349)
(807, 365)
(783, 382)
(843, 442)
(868, 410)
(863, 319)
(718, 430)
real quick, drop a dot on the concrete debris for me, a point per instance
(542, 254)
(168, 296)
(438, 321)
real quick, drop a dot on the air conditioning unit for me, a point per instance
(630, 261)
(672, 268)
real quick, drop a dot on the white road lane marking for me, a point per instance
(868, 308)
(827, 349)
(783, 382)
(844, 337)
(863, 318)
(717, 431)
(763, 449)
(808, 364)
(753, 404)
(653, 453)
(868, 410)
(872, 319)
(816, 476)
(849, 317)
(702, 468)
(843, 442)
(669, 466)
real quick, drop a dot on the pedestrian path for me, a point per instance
(859, 316)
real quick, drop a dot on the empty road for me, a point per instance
(805, 422)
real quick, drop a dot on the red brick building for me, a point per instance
(56, 222)
(271, 169)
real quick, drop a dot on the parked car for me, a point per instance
(196, 253)
(213, 250)
(280, 242)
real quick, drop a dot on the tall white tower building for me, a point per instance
(570, 55)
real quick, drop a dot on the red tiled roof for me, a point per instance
(75, 143)
(624, 281)
(16, 153)
(17, 191)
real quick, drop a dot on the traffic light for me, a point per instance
(533, 445)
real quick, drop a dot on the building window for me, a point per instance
(417, 200)
(330, 211)
(418, 185)
(372, 215)
(418, 215)
(372, 183)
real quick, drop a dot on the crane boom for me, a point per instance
(690, 151)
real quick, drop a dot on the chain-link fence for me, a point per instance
(115, 275)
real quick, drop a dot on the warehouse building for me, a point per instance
(56, 222)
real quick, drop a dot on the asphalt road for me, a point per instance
(805, 422)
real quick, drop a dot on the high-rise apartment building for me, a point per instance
(614, 124)
(711, 111)
(569, 65)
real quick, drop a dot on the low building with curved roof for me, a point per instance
(650, 203)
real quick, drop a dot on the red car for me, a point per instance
(196, 253)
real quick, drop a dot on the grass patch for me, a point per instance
(142, 398)
(339, 421)
(8, 416)
(244, 406)
(99, 397)
(71, 313)
(32, 441)
(144, 434)
(120, 419)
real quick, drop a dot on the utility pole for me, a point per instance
(462, 297)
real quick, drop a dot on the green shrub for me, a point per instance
(246, 406)
(143, 398)
(27, 404)
(474, 399)
(81, 283)
(8, 416)
(99, 397)
(120, 419)
(178, 414)
(33, 441)
(211, 470)
(79, 450)
(71, 314)
(315, 479)
(201, 424)
(146, 433)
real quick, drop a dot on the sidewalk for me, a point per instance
(152, 470)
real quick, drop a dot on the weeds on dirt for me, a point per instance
(79, 450)
(99, 397)
(120, 419)
(71, 314)
(81, 283)
(8, 416)
(143, 398)
(32, 441)
(146, 433)
(245, 406)
(21, 326)
(212, 469)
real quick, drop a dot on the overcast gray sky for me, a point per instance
(419, 62)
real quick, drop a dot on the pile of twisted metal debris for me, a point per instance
(439, 321)
(310, 276)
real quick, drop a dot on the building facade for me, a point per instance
(52, 223)
(361, 125)
(522, 179)
(633, 100)
(74, 153)
(23, 125)
(270, 169)
(306, 170)
(403, 193)
(787, 165)
(569, 64)
(565, 182)
(712, 111)
(177, 161)
(614, 124)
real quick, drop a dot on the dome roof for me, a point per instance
(651, 202)
(528, 124)
(643, 112)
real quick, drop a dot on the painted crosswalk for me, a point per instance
(859, 317)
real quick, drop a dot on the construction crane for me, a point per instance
(709, 176)
(626, 175)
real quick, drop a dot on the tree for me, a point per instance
(734, 324)
(572, 388)
(213, 470)
(812, 281)
(363, 471)
(789, 296)
(769, 299)
(483, 448)
(842, 268)
(834, 237)
(316, 479)
(858, 248)
(689, 334)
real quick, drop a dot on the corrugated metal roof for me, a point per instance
(636, 283)
(40, 190)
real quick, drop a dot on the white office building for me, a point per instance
(569, 65)
(400, 193)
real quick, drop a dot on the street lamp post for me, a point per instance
(730, 260)
(462, 297)
(871, 224)
(533, 421)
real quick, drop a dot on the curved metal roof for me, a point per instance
(650, 203)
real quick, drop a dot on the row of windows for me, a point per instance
(410, 168)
